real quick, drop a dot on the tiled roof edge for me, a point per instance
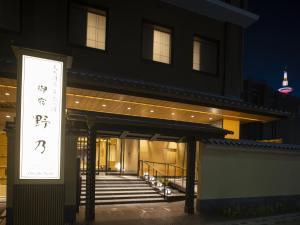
(185, 92)
(252, 144)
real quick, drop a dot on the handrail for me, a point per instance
(153, 167)
(183, 170)
(154, 162)
(180, 167)
(153, 180)
(172, 172)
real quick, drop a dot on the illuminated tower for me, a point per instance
(285, 89)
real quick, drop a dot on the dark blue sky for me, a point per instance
(273, 42)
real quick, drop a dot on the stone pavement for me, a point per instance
(172, 214)
(288, 219)
(143, 214)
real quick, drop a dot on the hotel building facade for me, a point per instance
(153, 98)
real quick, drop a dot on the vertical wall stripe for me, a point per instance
(39, 204)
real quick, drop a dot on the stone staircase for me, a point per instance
(121, 190)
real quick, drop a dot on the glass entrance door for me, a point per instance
(122, 156)
(130, 156)
(101, 154)
(113, 155)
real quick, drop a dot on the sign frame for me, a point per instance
(66, 61)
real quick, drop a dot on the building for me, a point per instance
(151, 83)
(284, 130)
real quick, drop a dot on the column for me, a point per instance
(90, 173)
(10, 132)
(190, 175)
(71, 176)
(199, 171)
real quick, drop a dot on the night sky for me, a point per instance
(273, 42)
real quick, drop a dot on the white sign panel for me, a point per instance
(41, 115)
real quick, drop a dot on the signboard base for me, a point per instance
(38, 204)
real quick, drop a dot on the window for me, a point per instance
(205, 55)
(96, 29)
(87, 27)
(157, 43)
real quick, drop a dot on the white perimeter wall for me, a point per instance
(241, 173)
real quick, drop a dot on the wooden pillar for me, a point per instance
(90, 173)
(71, 176)
(199, 171)
(10, 132)
(190, 175)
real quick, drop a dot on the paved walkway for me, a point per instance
(171, 214)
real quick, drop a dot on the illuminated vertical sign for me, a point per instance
(41, 118)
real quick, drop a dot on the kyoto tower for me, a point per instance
(285, 89)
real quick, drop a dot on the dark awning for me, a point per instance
(141, 127)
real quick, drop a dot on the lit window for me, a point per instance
(96, 30)
(161, 46)
(205, 55)
(157, 43)
(196, 55)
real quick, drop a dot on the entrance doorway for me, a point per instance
(113, 155)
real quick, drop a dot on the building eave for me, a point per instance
(163, 129)
(86, 79)
(218, 10)
(82, 79)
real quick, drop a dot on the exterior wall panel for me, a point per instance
(243, 173)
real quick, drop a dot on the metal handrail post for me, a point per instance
(165, 168)
(148, 172)
(142, 168)
(164, 187)
(174, 174)
(182, 177)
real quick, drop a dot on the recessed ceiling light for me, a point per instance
(210, 118)
(129, 108)
(7, 94)
(151, 110)
(103, 105)
(172, 114)
(77, 102)
(192, 116)
(7, 116)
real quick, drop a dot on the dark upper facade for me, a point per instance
(196, 50)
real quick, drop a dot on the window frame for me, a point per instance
(207, 39)
(146, 22)
(96, 9)
(98, 13)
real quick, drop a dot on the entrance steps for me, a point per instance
(121, 190)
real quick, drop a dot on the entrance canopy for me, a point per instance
(143, 128)
(210, 110)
